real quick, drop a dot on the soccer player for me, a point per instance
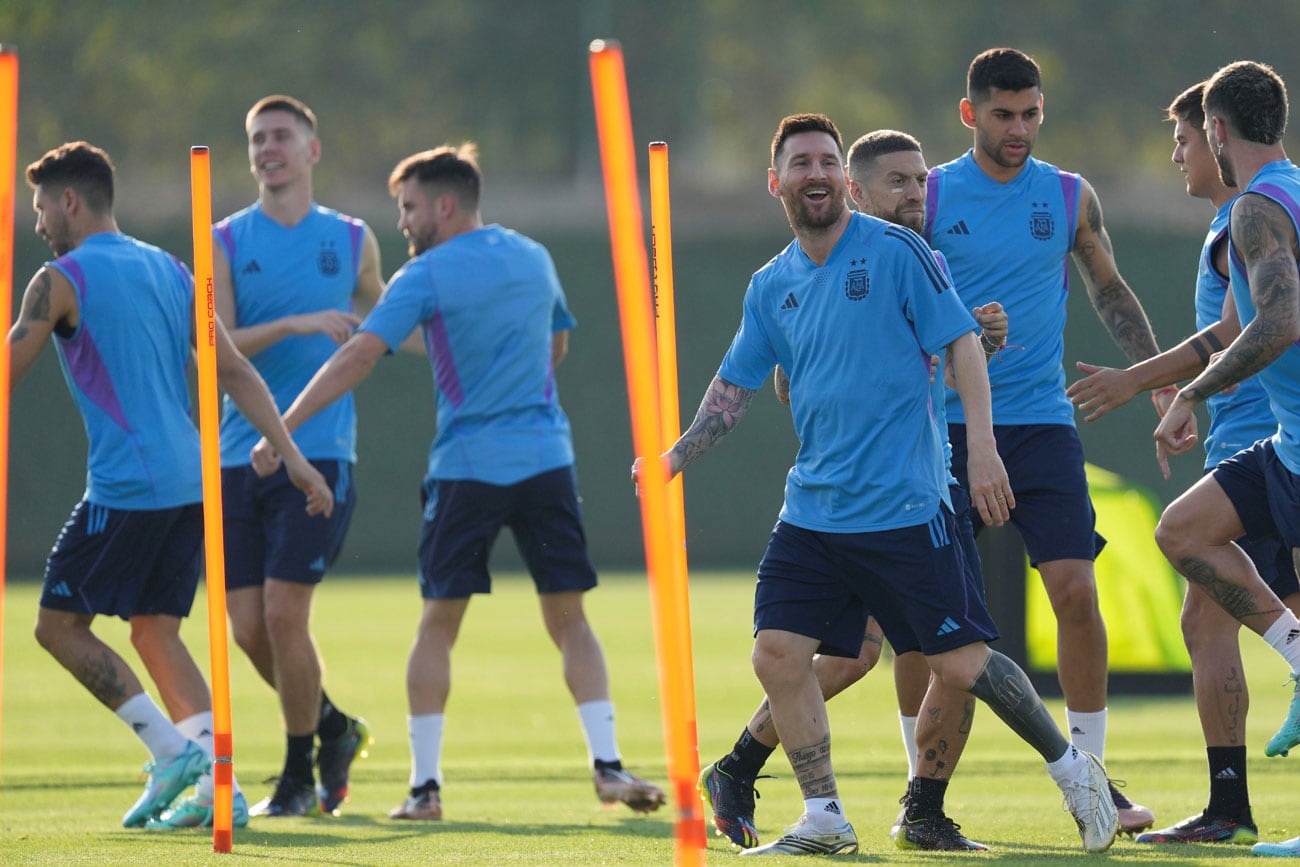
(886, 179)
(1237, 421)
(495, 324)
(287, 274)
(121, 315)
(1252, 493)
(1007, 223)
(866, 525)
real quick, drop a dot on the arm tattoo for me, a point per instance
(1094, 222)
(1206, 344)
(1265, 238)
(36, 304)
(812, 768)
(1116, 305)
(721, 410)
(1125, 319)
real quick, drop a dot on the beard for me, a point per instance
(803, 218)
(911, 220)
(1226, 174)
(60, 243)
(993, 150)
(417, 244)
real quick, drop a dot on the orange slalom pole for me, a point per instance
(8, 168)
(631, 272)
(677, 588)
(205, 324)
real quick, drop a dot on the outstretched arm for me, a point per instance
(722, 408)
(1108, 388)
(1116, 305)
(1263, 234)
(346, 368)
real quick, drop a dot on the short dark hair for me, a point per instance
(80, 165)
(280, 102)
(797, 123)
(1251, 97)
(451, 168)
(874, 145)
(1001, 68)
(1187, 106)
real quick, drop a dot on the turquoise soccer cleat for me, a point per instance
(1289, 734)
(197, 812)
(167, 778)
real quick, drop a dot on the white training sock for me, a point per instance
(825, 813)
(199, 728)
(426, 747)
(1284, 637)
(151, 726)
(1068, 766)
(908, 725)
(1088, 731)
(598, 727)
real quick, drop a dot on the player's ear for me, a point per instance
(966, 109)
(773, 184)
(1041, 113)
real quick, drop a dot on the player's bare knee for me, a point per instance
(1175, 533)
(958, 668)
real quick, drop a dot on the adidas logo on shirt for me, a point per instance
(251, 268)
(949, 626)
(61, 589)
(790, 302)
(958, 229)
(1226, 774)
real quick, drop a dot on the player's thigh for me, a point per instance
(462, 519)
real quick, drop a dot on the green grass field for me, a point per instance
(517, 789)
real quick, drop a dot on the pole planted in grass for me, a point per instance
(205, 325)
(631, 272)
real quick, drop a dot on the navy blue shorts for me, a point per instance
(126, 563)
(1266, 495)
(1053, 511)
(269, 533)
(463, 518)
(913, 580)
(966, 540)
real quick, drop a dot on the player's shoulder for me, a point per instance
(1045, 169)
(242, 217)
(336, 215)
(779, 268)
(956, 166)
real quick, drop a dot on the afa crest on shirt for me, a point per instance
(857, 284)
(328, 260)
(1041, 225)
